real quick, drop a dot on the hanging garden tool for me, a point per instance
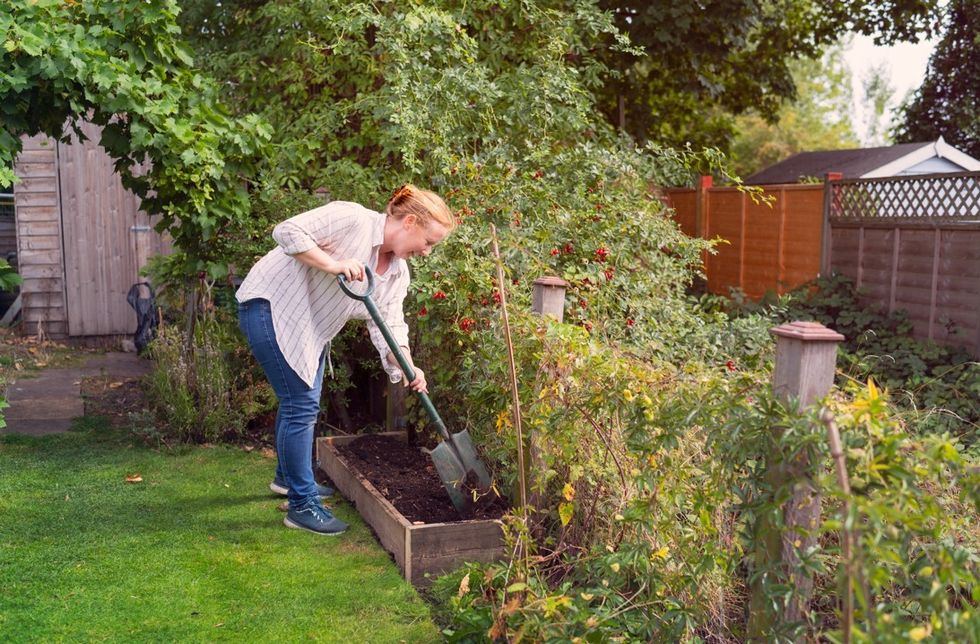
(456, 460)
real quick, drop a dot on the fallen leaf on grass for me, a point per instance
(268, 452)
(134, 478)
(116, 385)
(248, 448)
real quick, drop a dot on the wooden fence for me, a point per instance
(910, 243)
(913, 243)
(774, 246)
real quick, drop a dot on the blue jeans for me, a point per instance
(299, 405)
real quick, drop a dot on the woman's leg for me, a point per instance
(299, 404)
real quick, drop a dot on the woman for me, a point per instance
(290, 307)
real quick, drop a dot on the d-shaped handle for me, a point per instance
(342, 280)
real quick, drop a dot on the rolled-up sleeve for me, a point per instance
(393, 314)
(316, 227)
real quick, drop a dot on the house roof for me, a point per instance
(861, 163)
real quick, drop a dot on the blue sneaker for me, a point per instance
(314, 517)
(279, 487)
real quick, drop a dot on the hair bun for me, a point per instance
(404, 191)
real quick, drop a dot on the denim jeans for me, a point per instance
(299, 405)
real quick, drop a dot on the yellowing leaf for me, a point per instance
(872, 389)
(565, 511)
(926, 571)
(615, 566)
(661, 553)
(464, 585)
(568, 492)
(918, 633)
(516, 588)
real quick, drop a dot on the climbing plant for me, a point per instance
(122, 65)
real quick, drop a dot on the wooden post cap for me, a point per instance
(807, 332)
(550, 280)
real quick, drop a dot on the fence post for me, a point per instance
(548, 297)
(826, 241)
(806, 358)
(701, 206)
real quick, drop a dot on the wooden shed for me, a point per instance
(81, 239)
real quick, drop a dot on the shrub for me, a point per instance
(205, 392)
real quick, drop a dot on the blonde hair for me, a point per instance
(426, 205)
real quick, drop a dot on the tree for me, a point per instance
(704, 62)
(948, 102)
(123, 66)
(879, 94)
(818, 119)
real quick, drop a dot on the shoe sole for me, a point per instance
(282, 491)
(278, 489)
(291, 524)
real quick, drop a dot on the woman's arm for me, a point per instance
(319, 259)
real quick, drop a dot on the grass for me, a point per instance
(195, 552)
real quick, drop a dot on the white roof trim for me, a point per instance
(939, 149)
(946, 151)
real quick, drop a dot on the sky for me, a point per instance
(907, 66)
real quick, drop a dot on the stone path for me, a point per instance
(48, 403)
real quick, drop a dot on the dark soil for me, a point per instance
(408, 479)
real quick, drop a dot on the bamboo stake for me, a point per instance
(522, 475)
(837, 452)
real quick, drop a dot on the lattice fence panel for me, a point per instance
(925, 197)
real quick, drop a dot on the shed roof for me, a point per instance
(862, 162)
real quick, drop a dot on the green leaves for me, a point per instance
(127, 65)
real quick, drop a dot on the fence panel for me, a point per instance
(767, 246)
(913, 243)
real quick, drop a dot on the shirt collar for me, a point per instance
(378, 238)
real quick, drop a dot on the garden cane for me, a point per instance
(455, 459)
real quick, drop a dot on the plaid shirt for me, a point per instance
(308, 307)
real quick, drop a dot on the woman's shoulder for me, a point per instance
(348, 206)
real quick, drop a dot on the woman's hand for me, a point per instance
(352, 269)
(419, 384)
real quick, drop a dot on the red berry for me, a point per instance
(609, 272)
(601, 253)
(630, 321)
(730, 365)
(496, 297)
(555, 251)
(439, 295)
(569, 248)
(423, 311)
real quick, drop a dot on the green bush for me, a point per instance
(206, 392)
(653, 479)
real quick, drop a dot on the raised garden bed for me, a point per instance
(431, 539)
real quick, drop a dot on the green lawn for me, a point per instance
(196, 552)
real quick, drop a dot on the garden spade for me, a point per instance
(455, 458)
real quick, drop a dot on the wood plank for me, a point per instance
(39, 242)
(42, 284)
(37, 213)
(39, 155)
(25, 200)
(388, 524)
(44, 257)
(39, 228)
(40, 271)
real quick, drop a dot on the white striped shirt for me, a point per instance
(308, 307)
